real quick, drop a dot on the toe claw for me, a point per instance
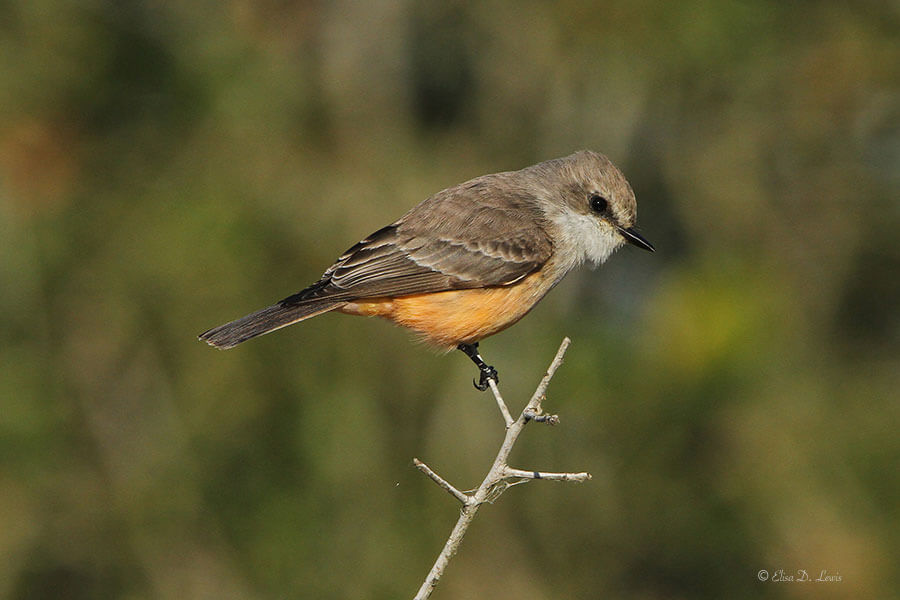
(487, 374)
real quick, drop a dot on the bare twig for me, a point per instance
(519, 473)
(441, 481)
(500, 475)
(507, 418)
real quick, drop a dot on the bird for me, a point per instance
(470, 260)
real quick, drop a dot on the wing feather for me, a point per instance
(464, 237)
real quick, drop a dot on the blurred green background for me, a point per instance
(166, 167)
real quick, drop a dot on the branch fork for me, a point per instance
(501, 475)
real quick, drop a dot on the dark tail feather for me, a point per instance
(263, 321)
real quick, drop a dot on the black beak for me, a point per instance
(633, 237)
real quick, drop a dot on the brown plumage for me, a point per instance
(472, 259)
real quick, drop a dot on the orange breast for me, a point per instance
(449, 318)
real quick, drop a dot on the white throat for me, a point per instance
(583, 238)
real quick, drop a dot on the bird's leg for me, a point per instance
(487, 371)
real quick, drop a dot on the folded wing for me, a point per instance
(464, 237)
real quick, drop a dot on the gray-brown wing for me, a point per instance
(464, 237)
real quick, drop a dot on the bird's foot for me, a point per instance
(487, 373)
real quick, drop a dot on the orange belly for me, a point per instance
(446, 319)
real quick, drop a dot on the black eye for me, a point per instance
(598, 203)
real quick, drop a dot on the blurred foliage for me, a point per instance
(165, 167)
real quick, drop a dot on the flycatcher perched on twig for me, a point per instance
(470, 260)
